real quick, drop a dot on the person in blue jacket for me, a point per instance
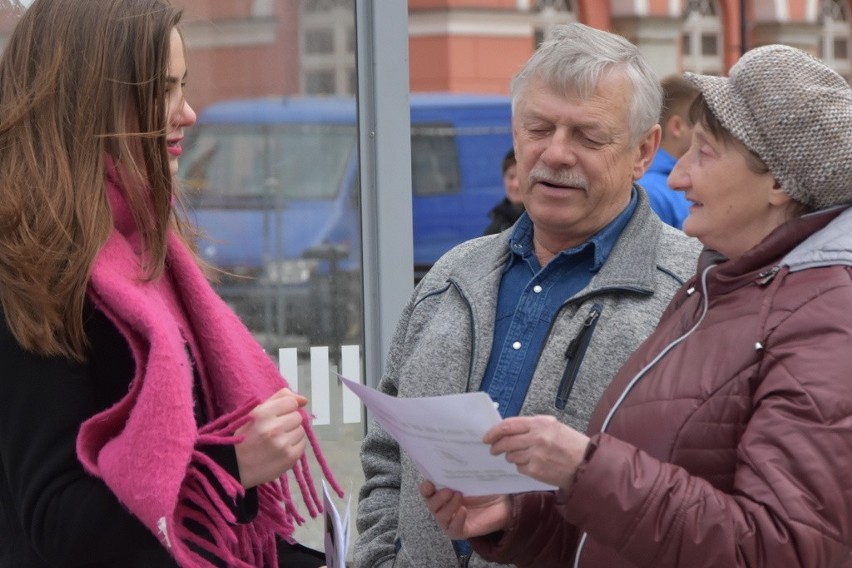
(670, 205)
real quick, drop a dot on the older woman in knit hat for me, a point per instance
(726, 439)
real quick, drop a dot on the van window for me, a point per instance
(434, 160)
(246, 165)
(310, 159)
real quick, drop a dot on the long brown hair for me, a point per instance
(81, 82)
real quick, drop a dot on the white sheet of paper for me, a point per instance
(443, 436)
(336, 531)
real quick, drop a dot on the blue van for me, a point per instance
(274, 187)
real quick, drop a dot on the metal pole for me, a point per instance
(743, 27)
(385, 146)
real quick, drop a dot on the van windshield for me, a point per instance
(249, 165)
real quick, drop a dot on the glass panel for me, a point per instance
(231, 164)
(686, 44)
(458, 142)
(434, 160)
(271, 170)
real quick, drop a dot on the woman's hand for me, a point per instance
(273, 441)
(541, 446)
(463, 517)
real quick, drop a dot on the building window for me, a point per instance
(319, 82)
(701, 37)
(709, 44)
(319, 41)
(549, 13)
(841, 49)
(834, 44)
(686, 45)
(327, 47)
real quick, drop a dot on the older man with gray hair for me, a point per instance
(542, 316)
(726, 438)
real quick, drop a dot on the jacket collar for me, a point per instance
(832, 245)
(802, 238)
(631, 264)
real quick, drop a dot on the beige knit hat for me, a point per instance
(795, 113)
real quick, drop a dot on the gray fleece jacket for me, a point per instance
(443, 342)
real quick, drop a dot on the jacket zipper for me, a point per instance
(472, 334)
(574, 356)
(767, 276)
(615, 406)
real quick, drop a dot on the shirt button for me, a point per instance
(537, 289)
(516, 345)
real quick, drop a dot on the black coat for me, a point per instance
(52, 513)
(503, 216)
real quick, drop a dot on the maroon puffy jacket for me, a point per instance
(732, 444)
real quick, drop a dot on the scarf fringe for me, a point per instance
(200, 504)
(230, 421)
(326, 470)
(299, 474)
(289, 509)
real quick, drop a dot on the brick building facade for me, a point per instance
(243, 48)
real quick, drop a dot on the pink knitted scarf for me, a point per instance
(146, 447)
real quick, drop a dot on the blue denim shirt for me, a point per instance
(530, 297)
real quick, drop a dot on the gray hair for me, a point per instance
(576, 58)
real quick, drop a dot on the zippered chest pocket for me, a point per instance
(574, 355)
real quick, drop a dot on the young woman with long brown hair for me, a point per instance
(140, 423)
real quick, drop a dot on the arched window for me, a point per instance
(701, 39)
(328, 47)
(834, 44)
(549, 13)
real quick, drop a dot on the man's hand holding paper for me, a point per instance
(444, 436)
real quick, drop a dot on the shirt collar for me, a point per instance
(521, 243)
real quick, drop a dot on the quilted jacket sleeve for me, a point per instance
(537, 536)
(791, 501)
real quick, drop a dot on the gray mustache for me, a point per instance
(541, 173)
